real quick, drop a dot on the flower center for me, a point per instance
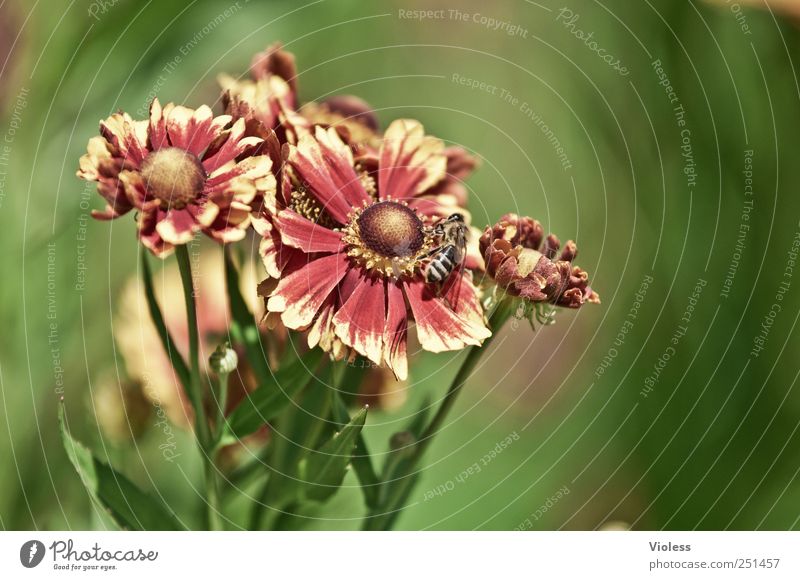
(388, 237)
(391, 229)
(174, 176)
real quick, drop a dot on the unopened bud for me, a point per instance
(224, 360)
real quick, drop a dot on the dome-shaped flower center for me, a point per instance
(174, 176)
(391, 229)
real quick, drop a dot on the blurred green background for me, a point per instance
(602, 431)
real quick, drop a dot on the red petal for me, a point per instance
(228, 224)
(360, 322)
(395, 332)
(438, 327)
(149, 236)
(177, 227)
(193, 130)
(300, 295)
(157, 133)
(234, 145)
(326, 165)
(128, 136)
(463, 298)
(410, 161)
(310, 237)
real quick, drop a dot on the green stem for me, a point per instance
(202, 429)
(243, 325)
(396, 496)
(221, 392)
(175, 359)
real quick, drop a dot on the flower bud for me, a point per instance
(224, 359)
(525, 265)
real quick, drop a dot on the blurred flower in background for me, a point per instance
(140, 348)
(122, 409)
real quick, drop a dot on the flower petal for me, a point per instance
(395, 331)
(230, 224)
(462, 296)
(302, 233)
(321, 332)
(275, 255)
(177, 227)
(438, 327)
(193, 130)
(148, 233)
(361, 320)
(244, 181)
(234, 145)
(300, 295)
(157, 130)
(128, 137)
(133, 184)
(410, 161)
(326, 165)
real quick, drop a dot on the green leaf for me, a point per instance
(269, 399)
(362, 461)
(129, 506)
(324, 469)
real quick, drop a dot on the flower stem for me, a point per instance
(396, 496)
(243, 323)
(202, 429)
(175, 358)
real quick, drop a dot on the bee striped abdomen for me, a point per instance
(441, 265)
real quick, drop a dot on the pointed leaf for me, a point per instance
(325, 468)
(129, 506)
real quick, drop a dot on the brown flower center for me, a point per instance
(174, 176)
(391, 229)
(388, 238)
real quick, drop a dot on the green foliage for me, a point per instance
(324, 469)
(129, 507)
(271, 398)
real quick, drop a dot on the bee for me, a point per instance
(451, 251)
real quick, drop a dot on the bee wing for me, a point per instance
(453, 291)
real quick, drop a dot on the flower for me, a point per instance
(520, 263)
(441, 194)
(269, 96)
(184, 170)
(352, 118)
(358, 238)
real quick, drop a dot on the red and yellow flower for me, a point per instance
(353, 237)
(183, 170)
